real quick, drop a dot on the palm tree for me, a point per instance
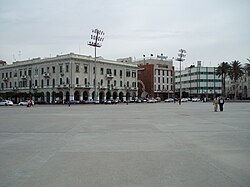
(222, 71)
(247, 67)
(235, 72)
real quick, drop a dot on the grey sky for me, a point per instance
(210, 30)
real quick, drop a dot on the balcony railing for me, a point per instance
(24, 77)
(109, 76)
(46, 75)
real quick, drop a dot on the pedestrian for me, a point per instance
(221, 103)
(215, 103)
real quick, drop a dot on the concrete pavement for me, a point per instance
(161, 144)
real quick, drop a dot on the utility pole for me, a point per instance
(180, 58)
(96, 38)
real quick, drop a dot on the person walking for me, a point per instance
(221, 103)
(215, 103)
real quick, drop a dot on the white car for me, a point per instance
(195, 100)
(184, 100)
(6, 103)
(23, 103)
(169, 100)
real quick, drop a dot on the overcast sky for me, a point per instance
(210, 30)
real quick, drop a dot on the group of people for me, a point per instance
(218, 101)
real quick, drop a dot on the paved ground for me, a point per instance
(142, 145)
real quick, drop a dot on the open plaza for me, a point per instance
(147, 145)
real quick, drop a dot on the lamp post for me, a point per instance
(97, 38)
(180, 58)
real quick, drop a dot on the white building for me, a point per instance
(68, 77)
(198, 82)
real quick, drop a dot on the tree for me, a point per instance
(222, 71)
(235, 72)
(247, 67)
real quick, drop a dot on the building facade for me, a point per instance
(155, 78)
(68, 77)
(242, 87)
(198, 82)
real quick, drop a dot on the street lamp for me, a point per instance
(180, 58)
(97, 38)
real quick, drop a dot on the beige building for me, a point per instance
(68, 77)
(155, 77)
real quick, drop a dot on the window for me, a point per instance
(114, 82)
(162, 79)
(101, 82)
(127, 83)
(159, 72)
(109, 71)
(6, 74)
(163, 72)
(163, 87)
(67, 68)
(167, 80)
(93, 69)
(47, 82)
(120, 83)
(53, 69)
(42, 71)
(77, 80)
(159, 87)
(35, 82)
(85, 68)
(114, 72)
(41, 83)
(36, 71)
(15, 74)
(85, 81)
(101, 71)
(127, 73)
(2, 75)
(108, 83)
(77, 68)
(133, 74)
(61, 81)
(61, 68)
(121, 73)
(30, 72)
(67, 80)
(167, 72)
(53, 83)
(10, 84)
(21, 73)
(167, 87)
(47, 70)
(2, 86)
(15, 84)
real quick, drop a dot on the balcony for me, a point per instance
(63, 86)
(46, 75)
(78, 86)
(109, 76)
(6, 79)
(102, 87)
(133, 88)
(24, 77)
(87, 86)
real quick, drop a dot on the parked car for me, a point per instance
(23, 103)
(6, 103)
(169, 100)
(195, 100)
(184, 100)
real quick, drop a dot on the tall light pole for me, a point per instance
(180, 58)
(97, 38)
